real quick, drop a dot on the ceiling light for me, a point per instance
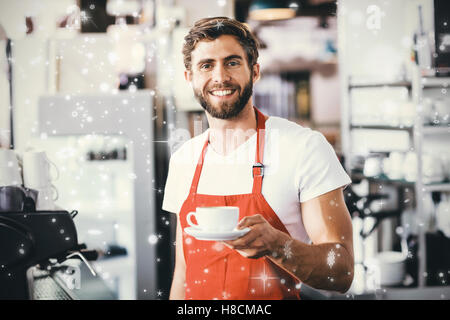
(264, 10)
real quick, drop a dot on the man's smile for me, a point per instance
(222, 93)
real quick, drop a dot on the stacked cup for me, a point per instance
(394, 165)
(37, 176)
(11, 193)
(10, 174)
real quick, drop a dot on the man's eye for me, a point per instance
(205, 66)
(233, 63)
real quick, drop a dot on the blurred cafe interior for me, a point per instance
(93, 102)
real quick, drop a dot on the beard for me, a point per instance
(226, 110)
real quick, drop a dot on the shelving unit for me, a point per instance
(351, 126)
(420, 85)
(417, 89)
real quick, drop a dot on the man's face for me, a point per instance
(220, 76)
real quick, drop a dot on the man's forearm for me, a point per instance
(327, 266)
(177, 289)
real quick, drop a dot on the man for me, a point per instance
(289, 190)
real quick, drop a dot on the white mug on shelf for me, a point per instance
(432, 169)
(442, 110)
(426, 110)
(372, 166)
(443, 215)
(410, 166)
(407, 113)
(10, 172)
(36, 170)
(445, 159)
(394, 165)
(46, 198)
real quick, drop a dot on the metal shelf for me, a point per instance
(391, 293)
(381, 127)
(435, 82)
(406, 84)
(414, 293)
(426, 129)
(382, 179)
(440, 187)
(432, 187)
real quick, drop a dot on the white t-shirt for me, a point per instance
(299, 164)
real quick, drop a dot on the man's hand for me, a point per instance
(261, 240)
(327, 263)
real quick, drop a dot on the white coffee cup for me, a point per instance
(445, 159)
(426, 109)
(442, 109)
(36, 170)
(372, 166)
(396, 165)
(216, 219)
(443, 215)
(410, 166)
(432, 168)
(387, 267)
(46, 198)
(10, 173)
(407, 113)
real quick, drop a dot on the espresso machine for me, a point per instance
(37, 243)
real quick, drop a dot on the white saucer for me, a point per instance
(200, 234)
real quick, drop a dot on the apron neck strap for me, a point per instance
(258, 167)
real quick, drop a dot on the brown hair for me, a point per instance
(212, 28)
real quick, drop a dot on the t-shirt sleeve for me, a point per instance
(319, 170)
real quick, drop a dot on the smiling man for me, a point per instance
(289, 190)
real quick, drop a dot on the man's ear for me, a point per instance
(188, 75)
(256, 72)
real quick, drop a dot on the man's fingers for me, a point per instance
(249, 221)
(245, 240)
(228, 245)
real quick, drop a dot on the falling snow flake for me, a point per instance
(219, 24)
(331, 258)
(264, 277)
(287, 250)
(152, 239)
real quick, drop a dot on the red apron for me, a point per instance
(214, 271)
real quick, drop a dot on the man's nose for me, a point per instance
(220, 74)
